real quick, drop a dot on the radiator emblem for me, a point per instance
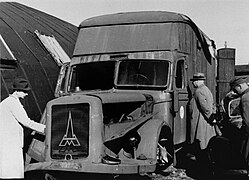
(69, 137)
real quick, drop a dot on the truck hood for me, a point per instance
(115, 97)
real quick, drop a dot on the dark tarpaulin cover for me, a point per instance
(140, 31)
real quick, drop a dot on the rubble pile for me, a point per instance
(171, 173)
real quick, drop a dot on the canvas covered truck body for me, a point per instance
(133, 71)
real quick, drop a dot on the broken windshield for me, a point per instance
(92, 76)
(131, 73)
(143, 73)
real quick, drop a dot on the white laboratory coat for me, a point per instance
(12, 114)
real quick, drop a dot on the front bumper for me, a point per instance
(130, 167)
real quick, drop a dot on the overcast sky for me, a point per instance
(221, 20)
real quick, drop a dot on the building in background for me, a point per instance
(31, 46)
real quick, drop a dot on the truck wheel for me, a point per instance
(165, 149)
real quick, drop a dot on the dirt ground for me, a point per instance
(192, 170)
(171, 173)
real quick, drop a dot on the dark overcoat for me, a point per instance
(203, 107)
(245, 116)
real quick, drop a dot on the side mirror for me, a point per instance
(234, 108)
(175, 101)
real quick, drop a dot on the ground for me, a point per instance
(171, 173)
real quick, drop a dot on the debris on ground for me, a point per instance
(171, 173)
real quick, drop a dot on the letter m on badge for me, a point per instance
(69, 137)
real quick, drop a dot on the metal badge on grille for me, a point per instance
(69, 137)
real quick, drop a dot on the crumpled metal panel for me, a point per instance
(53, 46)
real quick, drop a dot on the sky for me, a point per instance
(221, 20)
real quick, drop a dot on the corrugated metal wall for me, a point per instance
(17, 25)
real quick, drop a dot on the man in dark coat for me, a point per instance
(201, 125)
(240, 86)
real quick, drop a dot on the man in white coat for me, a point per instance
(12, 117)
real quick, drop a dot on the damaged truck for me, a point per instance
(122, 103)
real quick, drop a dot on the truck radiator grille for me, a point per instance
(70, 131)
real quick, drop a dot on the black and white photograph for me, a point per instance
(124, 89)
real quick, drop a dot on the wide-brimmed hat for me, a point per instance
(198, 76)
(237, 81)
(21, 84)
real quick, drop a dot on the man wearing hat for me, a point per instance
(12, 117)
(202, 129)
(240, 86)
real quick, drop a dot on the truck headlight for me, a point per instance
(131, 142)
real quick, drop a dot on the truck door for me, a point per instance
(60, 86)
(180, 100)
(36, 149)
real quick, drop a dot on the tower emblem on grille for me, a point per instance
(69, 137)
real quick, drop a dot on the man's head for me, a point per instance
(198, 79)
(21, 87)
(239, 85)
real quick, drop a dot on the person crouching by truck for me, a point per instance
(241, 87)
(203, 117)
(12, 117)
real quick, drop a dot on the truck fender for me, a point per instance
(149, 133)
